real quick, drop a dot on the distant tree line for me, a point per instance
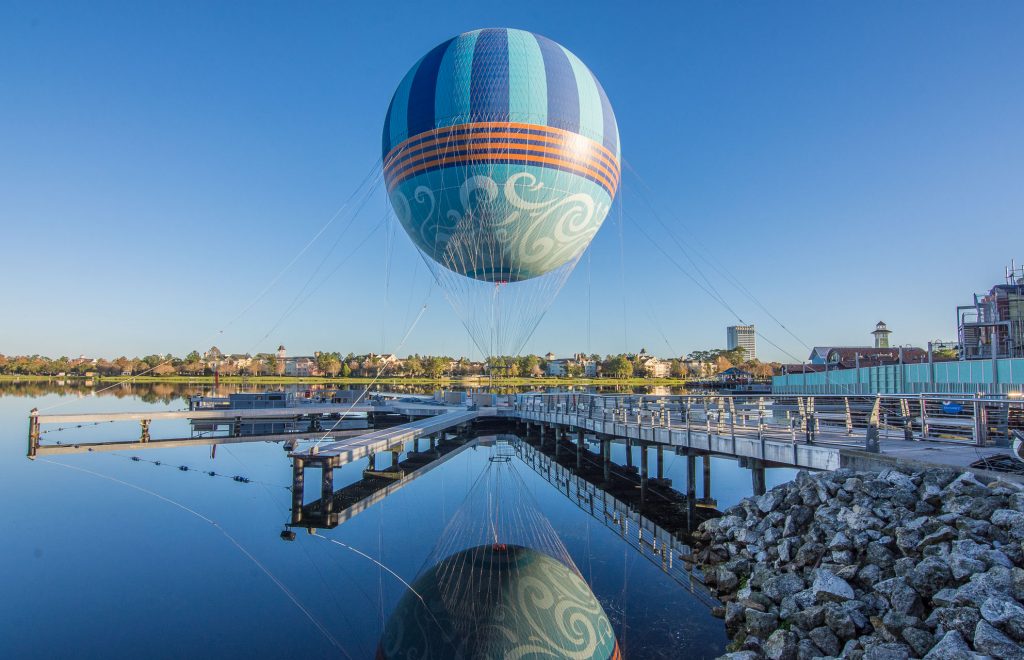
(697, 364)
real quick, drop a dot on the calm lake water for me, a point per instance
(105, 556)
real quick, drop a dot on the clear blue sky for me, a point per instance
(160, 163)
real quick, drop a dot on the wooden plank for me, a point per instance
(290, 412)
(172, 443)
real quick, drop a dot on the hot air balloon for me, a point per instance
(501, 160)
(499, 601)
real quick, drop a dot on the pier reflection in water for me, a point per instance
(622, 548)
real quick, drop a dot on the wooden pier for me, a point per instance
(329, 456)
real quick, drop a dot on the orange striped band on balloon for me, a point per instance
(502, 142)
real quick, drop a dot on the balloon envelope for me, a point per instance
(499, 601)
(501, 155)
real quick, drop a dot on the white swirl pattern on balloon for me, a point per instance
(520, 227)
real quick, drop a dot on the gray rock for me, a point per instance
(785, 548)
(734, 618)
(919, 640)
(825, 640)
(808, 554)
(770, 501)
(810, 618)
(879, 555)
(951, 647)
(944, 598)
(869, 574)
(898, 479)
(760, 624)
(962, 567)
(740, 655)
(887, 651)
(781, 586)
(1005, 614)
(965, 484)
(900, 595)
(944, 533)
(839, 542)
(961, 619)
(781, 645)
(725, 580)
(991, 642)
(839, 621)
(1007, 517)
(851, 649)
(930, 576)
(855, 609)
(829, 587)
(806, 650)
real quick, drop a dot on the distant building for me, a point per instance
(653, 367)
(993, 327)
(881, 334)
(562, 366)
(742, 336)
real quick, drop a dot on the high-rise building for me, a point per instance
(742, 336)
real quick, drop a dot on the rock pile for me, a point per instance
(871, 565)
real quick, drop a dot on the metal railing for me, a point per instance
(976, 420)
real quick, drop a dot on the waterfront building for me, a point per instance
(742, 336)
(562, 366)
(653, 367)
(993, 326)
(881, 334)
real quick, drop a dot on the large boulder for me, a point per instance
(951, 647)
(991, 642)
(1005, 614)
(781, 645)
(829, 587)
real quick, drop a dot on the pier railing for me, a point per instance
(863, 420)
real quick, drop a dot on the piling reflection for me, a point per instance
(499, 583)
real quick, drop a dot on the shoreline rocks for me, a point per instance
(879, 566)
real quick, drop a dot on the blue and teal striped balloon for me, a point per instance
(501, 155)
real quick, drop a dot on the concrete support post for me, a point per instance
(558, 445)
(606, 462)
(691, 490)
(144, 436)
(298, 488)
(327, 489)
(643, 473)
(660, 454)
(629, 452)
(416, 445)
(707, 477)
(757, 477)
(579, 449)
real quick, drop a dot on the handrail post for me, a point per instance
(979, 423)
(849, 416)
(924, 418)
(871, 436)
(732, 420)
(687, 413)
(760, 426)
